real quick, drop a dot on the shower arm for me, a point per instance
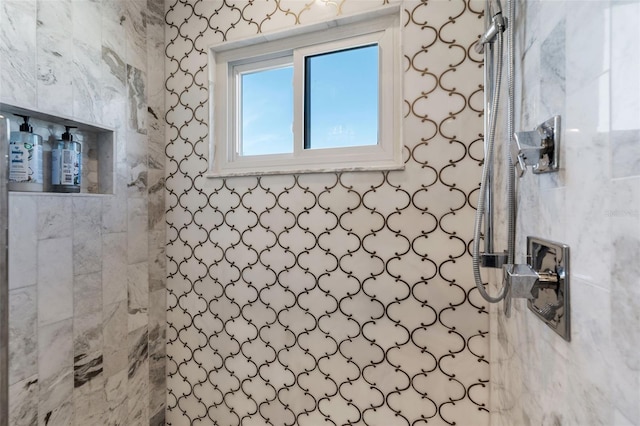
(498, 25)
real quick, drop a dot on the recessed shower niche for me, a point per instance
(98, 144)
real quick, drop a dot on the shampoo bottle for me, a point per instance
(66, 164)
(25, 159)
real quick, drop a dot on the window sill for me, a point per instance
(298, 171)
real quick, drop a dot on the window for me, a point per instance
(323, 97)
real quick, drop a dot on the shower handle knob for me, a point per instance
(538, 148)
(525, 283)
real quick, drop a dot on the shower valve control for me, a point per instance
(526, 283)
(539, 148)
(543, 282)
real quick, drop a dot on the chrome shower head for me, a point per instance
(498, 25)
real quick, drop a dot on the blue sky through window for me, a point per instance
(342, 103)
(267, 112)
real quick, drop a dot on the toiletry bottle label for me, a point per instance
(68, 159)
(64, 167)
(18, 162)
(35, 164)
(25, 162)
(77, 168)
(55, 167)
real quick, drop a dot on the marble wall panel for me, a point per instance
(592, 205)
(55, 280)
(18, 41)
(138, 377)
(115, 333)
(80, 264)
(157, 356)
(116, 398)
(23, 334)
(87, 235)
(55, 218)
(23, 242)
(137, 235)
(23, 402)
(87, 294)
(138, 296)
(55, 373)
(137, 99)
(114, 268)
(87, 87)
(55, 57)
(137, 180)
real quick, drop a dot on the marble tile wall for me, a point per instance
(87, 272)
(579, 59)
(334, 298)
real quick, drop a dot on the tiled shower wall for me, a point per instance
(580, 59)
(87, 272)
(344, 298)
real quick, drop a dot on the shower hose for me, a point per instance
(488, 162)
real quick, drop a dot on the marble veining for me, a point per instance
(116, 398)
(114, 211)
(55, 57)
(138, 295)
(536, 377)
(157, 346)
(23, 402)
(18, 42)
(137, 238)
(87, 235)
(23, 334)
(87, 99)
(87, 334)
(86, 368)
(55, 367)
(89, 407)
(87, 294)
(115, 338)
(133, 20)
(55, 280)
(137, 161)
(117, 69)
(114, 268)
(138, 377)
(23, 242)
(137, 99)
(80, 267)
(54, 217)
(157, 255)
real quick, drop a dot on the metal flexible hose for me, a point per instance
(488, 163)
(511, 176)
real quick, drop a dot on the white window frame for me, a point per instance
(227, 60)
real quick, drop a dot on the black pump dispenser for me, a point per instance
(66, 136)
(25, 127)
